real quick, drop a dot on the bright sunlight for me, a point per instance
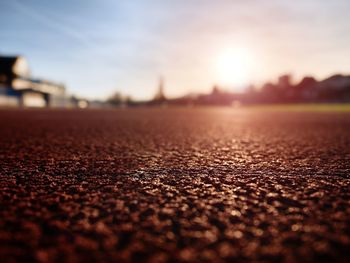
(234, 68)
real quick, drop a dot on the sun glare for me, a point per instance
(233, 68)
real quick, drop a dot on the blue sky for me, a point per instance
(98, 47)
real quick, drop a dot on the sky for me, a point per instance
(98, 47)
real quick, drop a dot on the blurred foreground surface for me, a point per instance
(163, 185)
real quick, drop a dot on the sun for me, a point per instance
(234, 68)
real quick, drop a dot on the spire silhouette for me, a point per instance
(160, 93)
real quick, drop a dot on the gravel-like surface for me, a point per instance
(167, 185)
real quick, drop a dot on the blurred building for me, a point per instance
(18, 88)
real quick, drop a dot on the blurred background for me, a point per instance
(161, 52)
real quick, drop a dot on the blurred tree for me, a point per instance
(117, 99)
(284, 81)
